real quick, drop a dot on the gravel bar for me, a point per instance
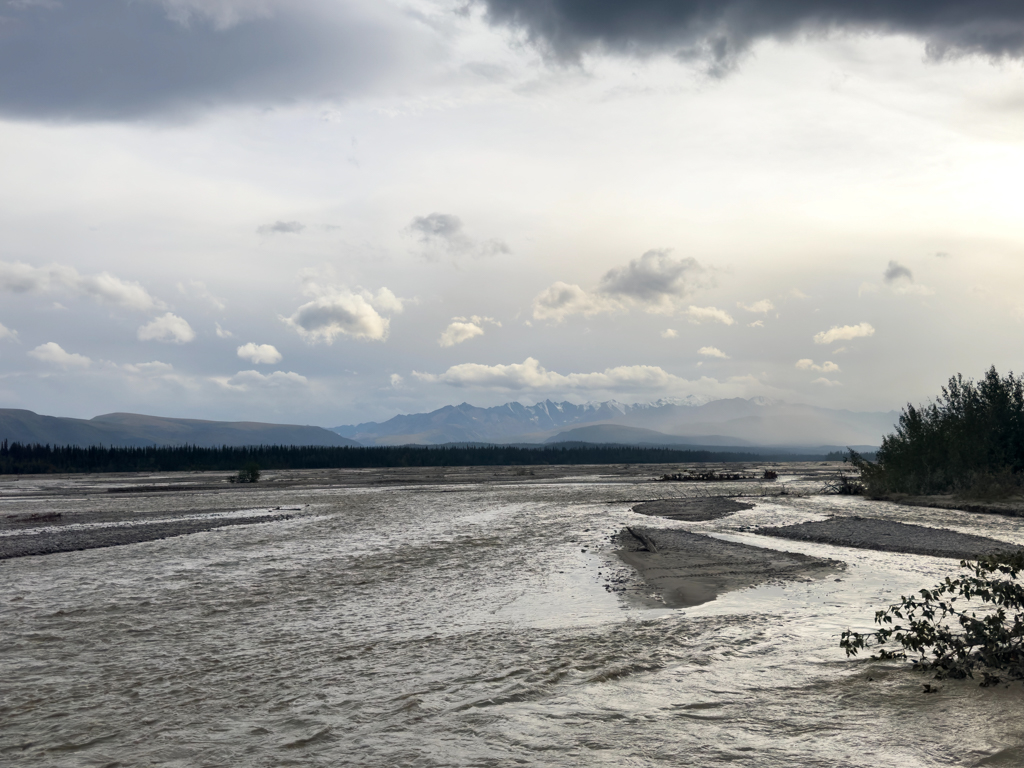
(51, 542)
(692, 510)
(888, 536)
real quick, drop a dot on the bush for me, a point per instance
(942, 629)
(250, 473)
(970, 440)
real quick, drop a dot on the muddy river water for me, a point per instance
(475, 624)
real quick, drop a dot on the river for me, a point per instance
(469, 625)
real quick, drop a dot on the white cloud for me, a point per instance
(756, 324)
(338, 311)
(168, 328)
(564, 299)
(807, 364)
(708, 314)
(105, 288)
(669, 333)
(396, 380)
(530, 374)
(259, 353)
(7, 333)
(764, 306)
(712, 352)
(827, 382)
(464, 328)
(844, 333)
(153, 368)
(243, 381)
(223, 333)
(53, 353)
(796, 293)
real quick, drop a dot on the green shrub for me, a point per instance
(942, 630)
(250, 473)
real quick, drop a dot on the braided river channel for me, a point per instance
(484, 622)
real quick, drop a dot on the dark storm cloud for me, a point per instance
(719, 31)
(896, 271)
(117, 59)
(653, 277)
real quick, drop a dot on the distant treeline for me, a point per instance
(970, 440)
(42, 459)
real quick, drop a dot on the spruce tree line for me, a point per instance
(16, 458)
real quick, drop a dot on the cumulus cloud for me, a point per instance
(463, 329)
(338, 311)
(822, 381)
(223, 333)
(243, 381)
(844, 333)
(7, 333)
(655, 279)
(157, 57)
(809, 365)
(764, 306)
(530, 374)
(669, 333)
(709, 315)
(51, 352)
(564, 299)
(712, 352)
(168, 328)
(444, 233)
(282, 228)
(756, 324)
(16, 277)
(719, 33)
(396, 380)
(259, 353)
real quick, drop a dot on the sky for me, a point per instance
(334, 211)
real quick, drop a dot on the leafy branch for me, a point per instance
(941, 631)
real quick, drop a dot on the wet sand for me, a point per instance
(50, 541)
(687, 569)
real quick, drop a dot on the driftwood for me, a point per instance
(644, 539)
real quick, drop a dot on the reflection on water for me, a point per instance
(468, 626)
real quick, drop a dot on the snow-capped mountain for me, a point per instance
(692, 419)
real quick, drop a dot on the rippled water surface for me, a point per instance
(469, 626)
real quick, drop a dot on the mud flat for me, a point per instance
(692, 510)
(52, 541)
(890, 536)
(682, 569)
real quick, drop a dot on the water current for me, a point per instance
(470, 625)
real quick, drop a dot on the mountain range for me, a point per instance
(136, 430)
(689, 421)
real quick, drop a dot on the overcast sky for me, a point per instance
(334, 211)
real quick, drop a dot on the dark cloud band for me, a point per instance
(719, 31)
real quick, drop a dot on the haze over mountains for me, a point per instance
(689, 421)
(680, 422)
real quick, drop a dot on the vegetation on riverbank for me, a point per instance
(942, 631)
(969, 441)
